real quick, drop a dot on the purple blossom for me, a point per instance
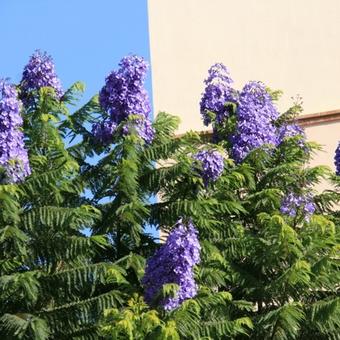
(292, 204)
(145, 130)
(103, 131)
(13, 155)
(134, 68)
(256, 114)
(173, 262)
(217, 92)
(292, 130)
(38, 73)
(212, 165)
(337, 160)
(124, 95)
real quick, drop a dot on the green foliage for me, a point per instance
(50, 285)
(263, 275)
(135, 321)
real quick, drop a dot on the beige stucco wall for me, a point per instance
(327, 135)
(292, 45)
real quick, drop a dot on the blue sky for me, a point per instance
(86, 38)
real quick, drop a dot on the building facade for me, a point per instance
(291, 45)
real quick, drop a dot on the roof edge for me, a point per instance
(319, 118)
(308, 120)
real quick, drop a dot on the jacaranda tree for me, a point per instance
(252, 249)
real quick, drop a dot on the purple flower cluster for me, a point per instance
(293, 203)
(217, 92)
(103, 131)
(124, 94)
(40, 72)
(145, 130)
(255, 117)
(212, 165)
(337, 160)
(173, 262)
(13, 155)
(291, 130)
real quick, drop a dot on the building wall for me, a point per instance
(328, 136)
(292, 45)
